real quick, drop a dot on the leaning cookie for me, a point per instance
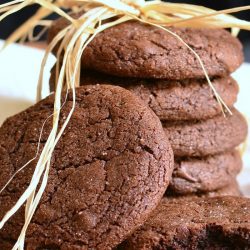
(108, 171)
(135, 49)
(198, 223)
(200, 175)
(206, 137)
(170, 100)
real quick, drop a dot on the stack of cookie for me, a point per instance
(166, 75)
(111, 167)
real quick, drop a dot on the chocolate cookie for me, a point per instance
(206, 137)
(198, 223)
(171, 100)
(232, 189)
(195, 175)
(134, 49)
(108, 171)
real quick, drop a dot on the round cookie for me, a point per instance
(134, 49)
(232, 189)
(199, 175)
(197, 223)
(171, 100)
(206, 137)
(108, 172)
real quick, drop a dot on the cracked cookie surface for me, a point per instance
(205, 174)
(108, 171)
(171, 100)
(134, 49)
(206, 137)
(197, 223)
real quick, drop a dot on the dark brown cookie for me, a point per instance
(108, 172)
(198, 223)
(196, 175)
(171, 100)
(232, 189)
(206, 137)
(134, 49)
